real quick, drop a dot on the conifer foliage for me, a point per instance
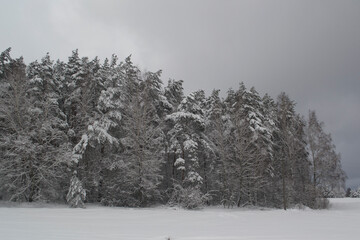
(84, 131)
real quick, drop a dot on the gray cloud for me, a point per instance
(309, 49)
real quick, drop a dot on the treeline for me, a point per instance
(85, 131)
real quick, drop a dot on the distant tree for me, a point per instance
(348, 192)
(291, 158)
(327, 174)
(355, 193)
(5, 59)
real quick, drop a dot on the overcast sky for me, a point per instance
(309, 49)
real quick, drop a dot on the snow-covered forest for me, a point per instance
(85, 131)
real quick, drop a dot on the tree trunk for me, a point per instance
(284, 185)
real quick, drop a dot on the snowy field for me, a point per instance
(341, 221)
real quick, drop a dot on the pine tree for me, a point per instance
(49, 128)
(173, 94)
(83, 91)
(17, 150)
(251, 163)
(143, 143)
(188, 141)
(139, 160)
(302, 190)
(34, 147)
(291, 157)
(355, 193)
(77, 194)
(93, 153)
(218, 128)
(284, 156)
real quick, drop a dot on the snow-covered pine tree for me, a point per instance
(205, 152)
(5, 59)
(143, 145)
(253, 147)
(187, 141)
(218, 128)
(34, 147)
(82, 92)
(48, 130)
(17, 151)
(84, 85)
(173, 94)
(76, 195)
(269, 111)
(355, 193)
(137, 165)
(93, 154)
(262, 145)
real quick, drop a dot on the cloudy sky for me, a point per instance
(309, 48)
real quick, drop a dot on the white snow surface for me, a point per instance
(34, 221)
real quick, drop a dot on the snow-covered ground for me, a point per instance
(49, 222)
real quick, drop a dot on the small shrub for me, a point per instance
(228, 203)
(321, 203)
(355, 194)
(189, 198)
(77, 194)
